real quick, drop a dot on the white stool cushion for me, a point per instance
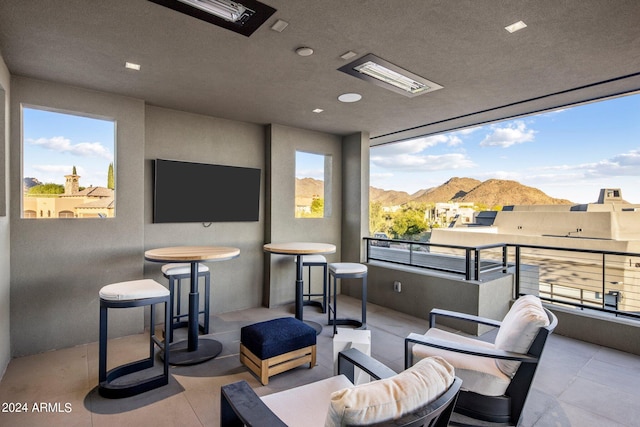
(478, 374)
(338, 268)
(519, 328)
(133, 290)
(306, 405)
(391, 398)
(178, 269)
(312, 258)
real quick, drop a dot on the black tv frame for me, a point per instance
(186, 192)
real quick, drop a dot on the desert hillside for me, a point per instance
(492, 192)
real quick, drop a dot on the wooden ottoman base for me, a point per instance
(274, 346)
(277, 364)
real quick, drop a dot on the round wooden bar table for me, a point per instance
(193, 350)
(298, 249)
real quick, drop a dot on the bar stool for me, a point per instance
(315, 261)
(177, 272)
(347, 270)
(134, 293)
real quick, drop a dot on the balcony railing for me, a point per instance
(437, 257)
(586, 279)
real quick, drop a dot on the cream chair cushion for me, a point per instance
(133, 290)
(177, 269)
(518, 330)
(478, 374)
(393, 397)
(306, 405)
(338, 268)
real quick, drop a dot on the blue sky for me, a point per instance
(309, 165)
(569, 154)
(55, 142)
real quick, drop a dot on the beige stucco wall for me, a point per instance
(282, 226)
(5, 253)
(59, 265)
(355, 196)
(235, 284)
(423, 291)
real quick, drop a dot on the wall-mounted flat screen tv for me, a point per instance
(200, 192)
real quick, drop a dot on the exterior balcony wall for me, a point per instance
(422, 292)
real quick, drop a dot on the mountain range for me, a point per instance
(492, 192)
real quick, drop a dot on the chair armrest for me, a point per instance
(462, 316)
(240, 406)
(353, 357)
(461, 348)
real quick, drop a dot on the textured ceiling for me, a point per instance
(571, 51)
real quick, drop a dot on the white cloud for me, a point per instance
(468, 131)
(510, 175)
(381, 175)
(54, 169)
(423, 163)
(64, 145)
(415, 146)
(310, 173)
(409, 155)
(624, 164)
(513, 133)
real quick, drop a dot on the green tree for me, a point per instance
(46, 189)
(74, 172)
(317, 208)
(409, 222)
(110, 180)
(377, 218)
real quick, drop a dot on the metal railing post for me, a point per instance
(368, 242)
(476, 264)
(517, 274)
(411, 254)
(604, 284)
(505, 260)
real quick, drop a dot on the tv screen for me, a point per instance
(199, 192)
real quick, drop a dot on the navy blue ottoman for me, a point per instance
(271, 347)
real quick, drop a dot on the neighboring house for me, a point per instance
(91, 202)
(611, 224)
(445, 213)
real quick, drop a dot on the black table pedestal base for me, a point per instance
(180, 355)
(315, 325)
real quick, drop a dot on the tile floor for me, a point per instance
(578, 384)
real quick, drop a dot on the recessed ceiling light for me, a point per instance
(515, 27)
(304, 51)
(318, 110)
(279, 25)
(385, 74)
(132, 66)
(348, 55)
(350, 97)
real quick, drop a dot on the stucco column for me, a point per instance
(355, 196)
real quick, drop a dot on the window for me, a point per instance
(67, 165)
(313, 177)
(569, 154)
(3, 146)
